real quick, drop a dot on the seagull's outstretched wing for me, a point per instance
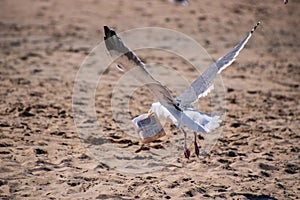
(202, 85)
(127, 59)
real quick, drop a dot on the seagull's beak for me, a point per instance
(149, 112)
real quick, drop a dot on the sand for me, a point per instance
(43, 43)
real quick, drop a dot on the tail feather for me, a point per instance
(205, 121)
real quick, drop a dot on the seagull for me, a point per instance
(178, 110)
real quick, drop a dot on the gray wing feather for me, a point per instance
(201, 86)
(126, 58)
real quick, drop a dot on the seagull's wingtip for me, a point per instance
(108, 32)
(255, 27)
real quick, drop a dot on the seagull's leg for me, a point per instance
(187, 152)
(196, 145)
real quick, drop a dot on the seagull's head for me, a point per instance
(159, 110)
(156, 108)
(162, 113)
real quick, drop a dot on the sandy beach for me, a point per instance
(43, 156)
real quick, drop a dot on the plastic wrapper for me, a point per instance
(148, 127)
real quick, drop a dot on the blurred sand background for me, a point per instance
(44, 42)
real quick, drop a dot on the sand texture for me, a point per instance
(44, 42)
